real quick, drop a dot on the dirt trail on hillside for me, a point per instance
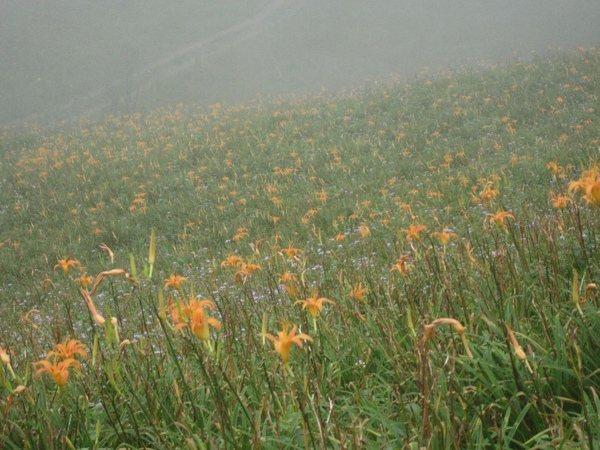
(101, 100)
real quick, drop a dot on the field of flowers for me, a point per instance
(412, 265)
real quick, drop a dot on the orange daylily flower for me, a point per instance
(63, 358)
(58, 370)
(321, 196)
(500, 217)
(244, 271)
(592, 192)
(560, 201)
(588, 184)
(290, 282)
(287, 277)
(175, 311)
(233, 261)
(314, 304)
(554, 167)
(284, 341)
(252, 267)
(358, 292)
(174, 281)
(194, 317)
(444, 236)
(66, 264)
(290, 252)
(364, 230)
(401, 265)
(413, 232)
(487, 194)
(85, 281)
(68, 350)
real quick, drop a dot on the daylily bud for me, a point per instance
(590, 287)
(152, 253)
(99, 319)
(114, 323)
(518, 349)
(4, 356)
(429, 332)
(452, 322)
(90, 304)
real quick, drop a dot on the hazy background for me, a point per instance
(67, 59)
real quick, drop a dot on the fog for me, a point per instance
(63, 60)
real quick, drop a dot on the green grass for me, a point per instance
(342, 178)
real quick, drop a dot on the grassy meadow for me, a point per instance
(411, 265)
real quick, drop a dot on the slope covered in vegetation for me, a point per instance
(410, 265)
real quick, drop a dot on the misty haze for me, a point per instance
(300, 224)
(63, 60)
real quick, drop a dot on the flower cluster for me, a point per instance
(58, 362)
(243, 269)
(193, 315)
(588, 185)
